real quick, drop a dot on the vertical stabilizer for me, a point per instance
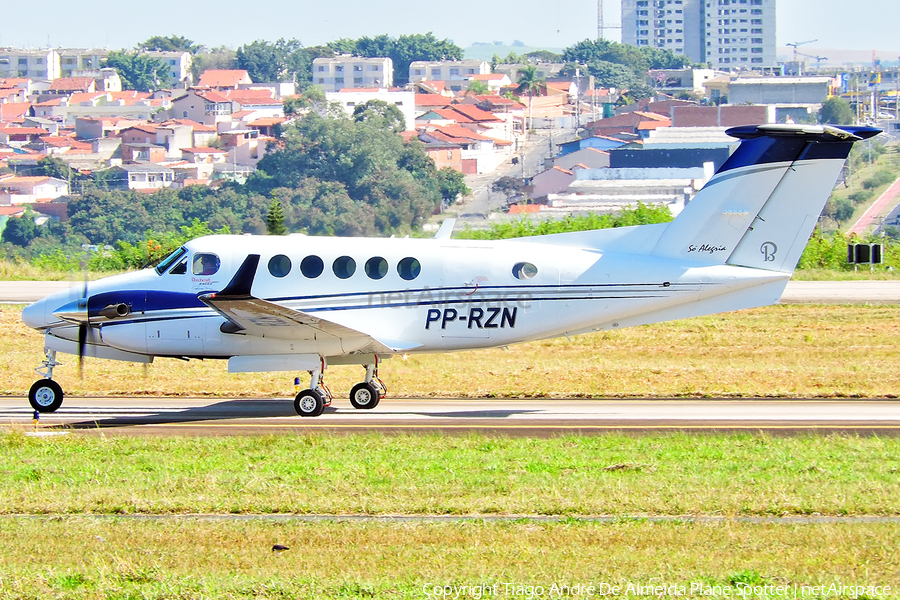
(761, 206)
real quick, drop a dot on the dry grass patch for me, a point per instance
(86, 558)
(779, 351)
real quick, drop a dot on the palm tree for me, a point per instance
(530, 84)
(478, 87)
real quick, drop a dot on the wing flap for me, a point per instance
(254, 316)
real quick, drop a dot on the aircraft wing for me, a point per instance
(256, 316)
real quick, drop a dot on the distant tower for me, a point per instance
(601, 25)
(600, 31)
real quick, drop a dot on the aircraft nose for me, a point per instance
(35, 315)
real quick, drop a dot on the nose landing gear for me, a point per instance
(312, 402)
(46, 395)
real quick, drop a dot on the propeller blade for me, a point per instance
(83, 327)
(82, 342)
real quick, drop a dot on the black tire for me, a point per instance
(365, 396)
(45, 396)
(309, 403)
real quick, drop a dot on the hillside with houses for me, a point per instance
(69, 123)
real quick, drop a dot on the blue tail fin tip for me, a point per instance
(813, 133)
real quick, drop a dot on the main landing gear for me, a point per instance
(365, 395)
(45, 394)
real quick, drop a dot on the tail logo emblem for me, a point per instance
(768, 250)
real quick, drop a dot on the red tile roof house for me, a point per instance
(139, 134)
(25, 190)
(64, 86)
(223, 79)
(478, 153)
(203, 155)
(628, 123)
(15, 112)
(20, 135)
(133, 153)
(207, 107)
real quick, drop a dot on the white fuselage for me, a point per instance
(466, 294)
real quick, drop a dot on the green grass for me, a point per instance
(373, 474)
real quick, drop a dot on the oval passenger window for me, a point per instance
(344, 267)
(279, 265)
(524, 270)
(409, 268)
(312, 266)
(376, 267)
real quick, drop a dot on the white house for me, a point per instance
(26, 190)
(335, 74)
(145, 176)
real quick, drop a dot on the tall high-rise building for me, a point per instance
(725, 34)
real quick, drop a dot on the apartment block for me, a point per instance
(74, 60)
(724, 34)
(39, 65)
(179, 65)
(447, 70)
(345, 72)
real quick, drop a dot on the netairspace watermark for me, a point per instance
(697, 589)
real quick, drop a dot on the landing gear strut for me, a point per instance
(45, 394)
(368, 394)
(312, 402)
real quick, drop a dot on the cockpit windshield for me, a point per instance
(167, 261)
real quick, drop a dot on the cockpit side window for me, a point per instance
(169, 260)
(205, 264)
(180, 268)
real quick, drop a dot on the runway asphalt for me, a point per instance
(822, 292)
(543, 417)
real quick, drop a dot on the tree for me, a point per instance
(350, 176)
(50, 166)
(838, 210)
(138, 71)
(284, 60)
(508, 186)
(529, 84)
(478, 87)
(275, 219)
(172, 43)
(638, 59)
(452, 185)
(836, 111)
(382, 114)
(539, 56)
(19, 231)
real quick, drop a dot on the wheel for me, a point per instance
(365, 395)
(309, 403)
(45, 396)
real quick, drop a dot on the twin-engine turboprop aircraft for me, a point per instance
(299, 303)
